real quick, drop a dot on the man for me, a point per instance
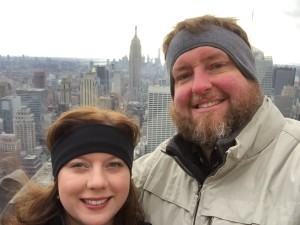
(235, 159)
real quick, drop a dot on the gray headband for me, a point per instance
(217, 37)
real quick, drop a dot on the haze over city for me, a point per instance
(104, 29)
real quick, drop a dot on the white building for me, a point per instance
(159, 123)
(264, 68)
(24, 128)
(89, 95)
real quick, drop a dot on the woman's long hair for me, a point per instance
(38, 205)
(35, 205)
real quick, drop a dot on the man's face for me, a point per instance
(212, 97)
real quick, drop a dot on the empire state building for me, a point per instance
(135, 64)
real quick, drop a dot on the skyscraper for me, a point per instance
(159, 124)
(89, 90)
(39, 80)
(65, 91)
(37, 100)
(103, 75)
(264, 68)
(24, 128)
(283, 76)
(135, 65)
(9, 107)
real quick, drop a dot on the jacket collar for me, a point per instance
(259, 132)
(253, 138)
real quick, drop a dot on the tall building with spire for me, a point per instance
(135, 68)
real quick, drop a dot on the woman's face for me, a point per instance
(92, 188)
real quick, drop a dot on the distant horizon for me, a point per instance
(105, 59)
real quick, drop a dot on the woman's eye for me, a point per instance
(78, 165)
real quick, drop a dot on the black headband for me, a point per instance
(91, 138)
(217, 37)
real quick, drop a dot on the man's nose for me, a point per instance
(201, 82)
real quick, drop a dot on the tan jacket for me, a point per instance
(259, 183)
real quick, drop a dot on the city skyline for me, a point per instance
(90, 29)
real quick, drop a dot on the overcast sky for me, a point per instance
(104, 28)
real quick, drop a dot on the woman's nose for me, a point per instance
(97, 179)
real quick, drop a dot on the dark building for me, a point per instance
(283, 76)
(39, 80)
(103, 75)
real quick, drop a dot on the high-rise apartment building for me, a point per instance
(24, 128)
(39, 80)
(159, 123)
(283, 76)
(103, 76)
(37, 100)
(135, 65)
(264, 68)
(89, 95)
(65, 91)
(9, 107)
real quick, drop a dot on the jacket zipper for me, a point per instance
(197, 203)
(199, 185)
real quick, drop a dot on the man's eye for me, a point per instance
(183, 76)
(114, 165)
(217, 65)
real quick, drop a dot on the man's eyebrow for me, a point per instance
(214, 56)
(209, 57)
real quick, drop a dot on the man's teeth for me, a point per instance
(98, 202)
(209, 104)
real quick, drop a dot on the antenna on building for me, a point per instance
(251, 26)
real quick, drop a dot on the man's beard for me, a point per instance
(204, 131)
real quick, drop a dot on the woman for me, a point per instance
(91, 154)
